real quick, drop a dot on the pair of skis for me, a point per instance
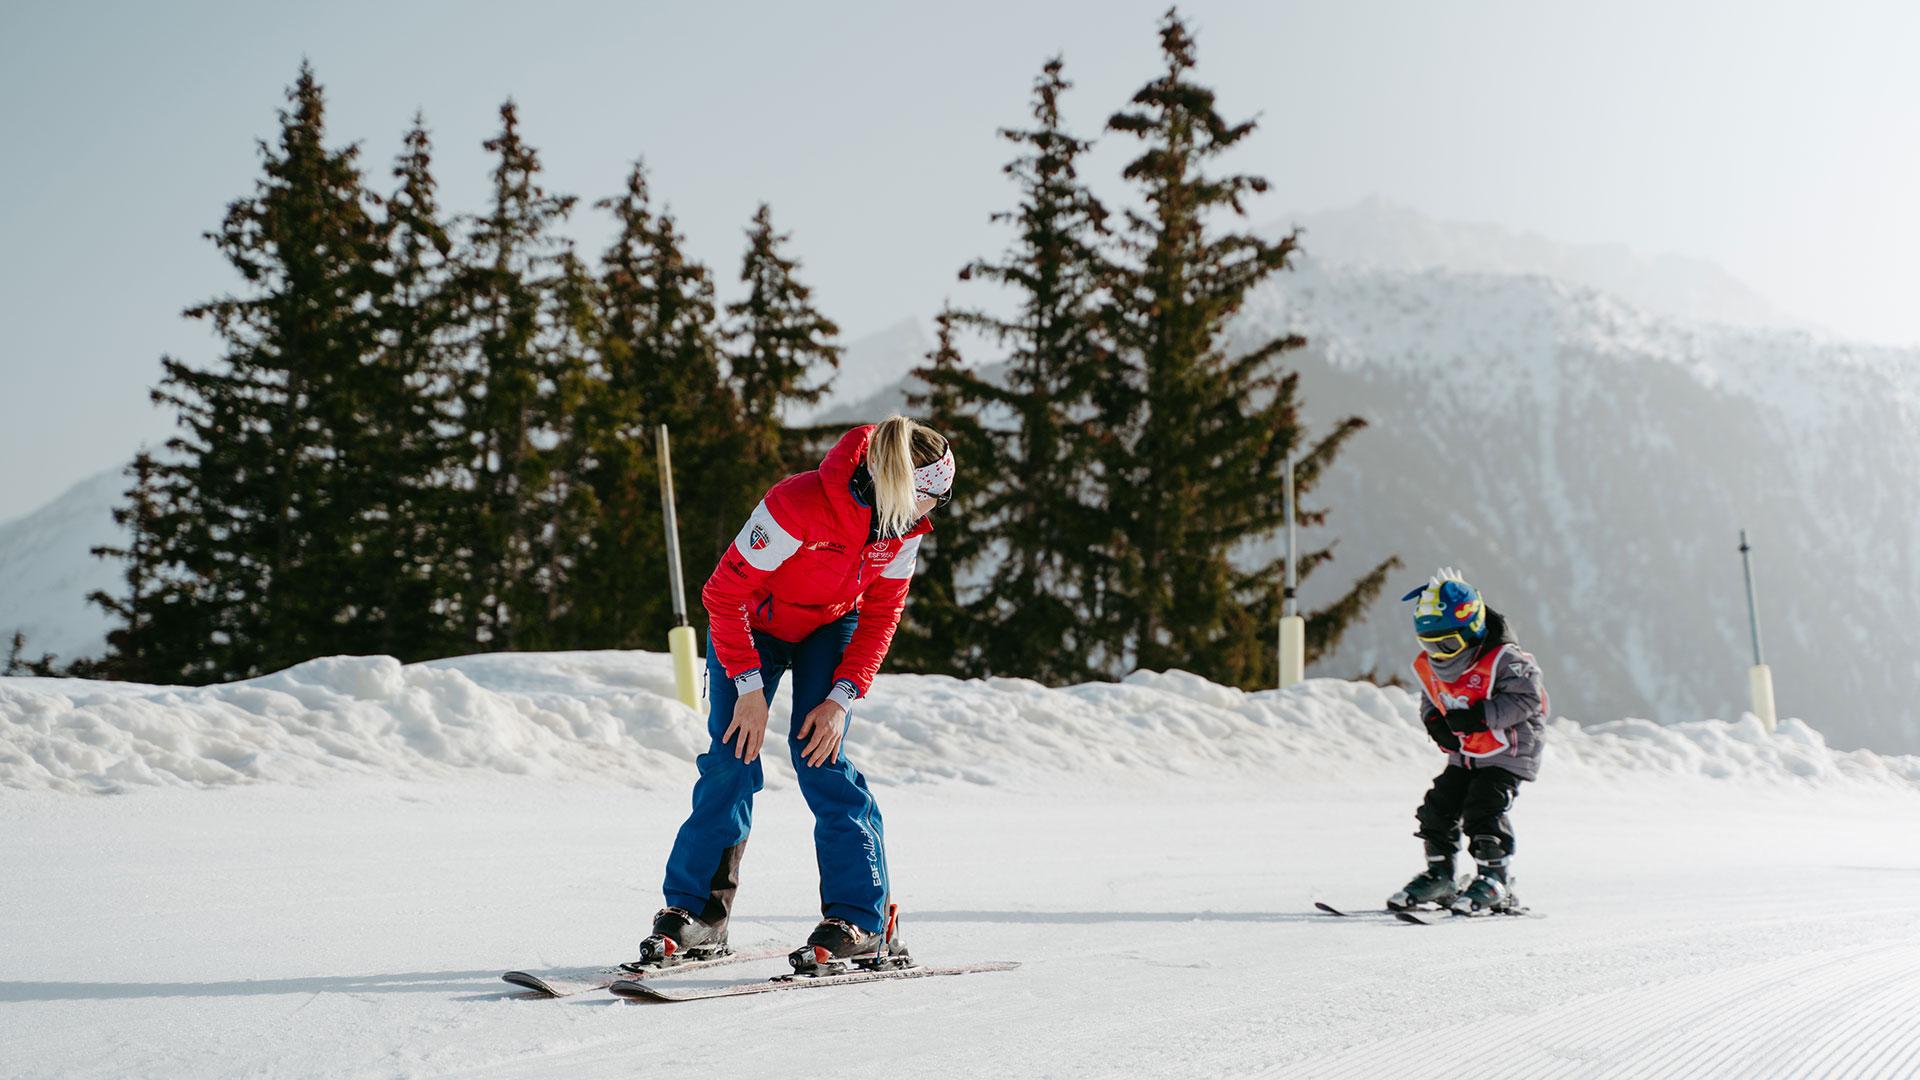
(640, 985)
(1419, 918)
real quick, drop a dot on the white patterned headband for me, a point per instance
(935, 478)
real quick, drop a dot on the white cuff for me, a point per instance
(844, 694)
(747, 682)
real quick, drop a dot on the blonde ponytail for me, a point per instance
(899, 446)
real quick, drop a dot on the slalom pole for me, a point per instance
(680, 643)
(1293, 628)
(1759, 676)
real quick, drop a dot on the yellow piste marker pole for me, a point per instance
(680, 640)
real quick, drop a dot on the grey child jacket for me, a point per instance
(1517, 704)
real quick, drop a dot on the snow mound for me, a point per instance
(610, 716)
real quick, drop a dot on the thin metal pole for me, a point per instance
(1293, 628)
(1753, 607)
(673, 530)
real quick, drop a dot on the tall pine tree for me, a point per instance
(622, 578)
(1038, 613)
(1195, 475)
(783, 350)
(266, 464)
(149, 643)
(940, 632)
(509, 397)
(410, 549)
(659, 358)
(568, 505)
(680, 348)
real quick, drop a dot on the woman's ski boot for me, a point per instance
(1436, 886)
(836, 947)
(1490, 893)
(678, 936)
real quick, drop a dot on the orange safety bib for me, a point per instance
(1472, 687)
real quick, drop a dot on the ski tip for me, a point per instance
(528, 982)
(635, 990)
(1410, 917)
(1329, 909)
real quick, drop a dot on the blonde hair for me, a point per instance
(899, 446)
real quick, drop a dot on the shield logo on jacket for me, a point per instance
(759, 538)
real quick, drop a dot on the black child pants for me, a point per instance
(1477, 798)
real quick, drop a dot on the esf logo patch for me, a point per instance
(758, 538)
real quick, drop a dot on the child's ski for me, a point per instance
(570, 981)
(1329, 909)
(1451, 915)
(646, 991)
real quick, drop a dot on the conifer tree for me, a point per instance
(783, 350)
(672, 332)
(144, 646)
(568, 505)
(271, 435)
(659, 360)
(939, 632)
(507, 395)
(409, 548)
(680, 343)
(621, 581)
(1195, 474)
(1039, 614)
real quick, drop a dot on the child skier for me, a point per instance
(1483, 701)
(813, 586)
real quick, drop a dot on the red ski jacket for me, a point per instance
(802, 560)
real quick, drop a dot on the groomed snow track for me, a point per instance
(323, 873)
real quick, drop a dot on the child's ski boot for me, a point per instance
(677, 936)
(1436, 886)
(1490, 893)
(837, 946)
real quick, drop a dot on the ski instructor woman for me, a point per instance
(813, 586)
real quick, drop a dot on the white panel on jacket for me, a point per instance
(762, 541)
(902, 564)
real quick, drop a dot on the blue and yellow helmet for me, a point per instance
(1449, 617)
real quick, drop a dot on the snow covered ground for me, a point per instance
(322, 873)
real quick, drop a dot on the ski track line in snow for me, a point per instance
(1849, 1012)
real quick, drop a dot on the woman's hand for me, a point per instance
(823, 725)
(750, 720)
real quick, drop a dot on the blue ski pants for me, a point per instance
(703, 872)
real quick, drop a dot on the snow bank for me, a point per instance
(609, 716)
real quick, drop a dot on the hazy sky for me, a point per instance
(1779, 140)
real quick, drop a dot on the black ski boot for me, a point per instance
(1490, 892)
(837, 946)
(1434, 886)
(677, 936)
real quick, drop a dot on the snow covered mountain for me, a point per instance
(1590, 461)
(871, 371)
(1380, 235)
(1590, 465)
(46, 570)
